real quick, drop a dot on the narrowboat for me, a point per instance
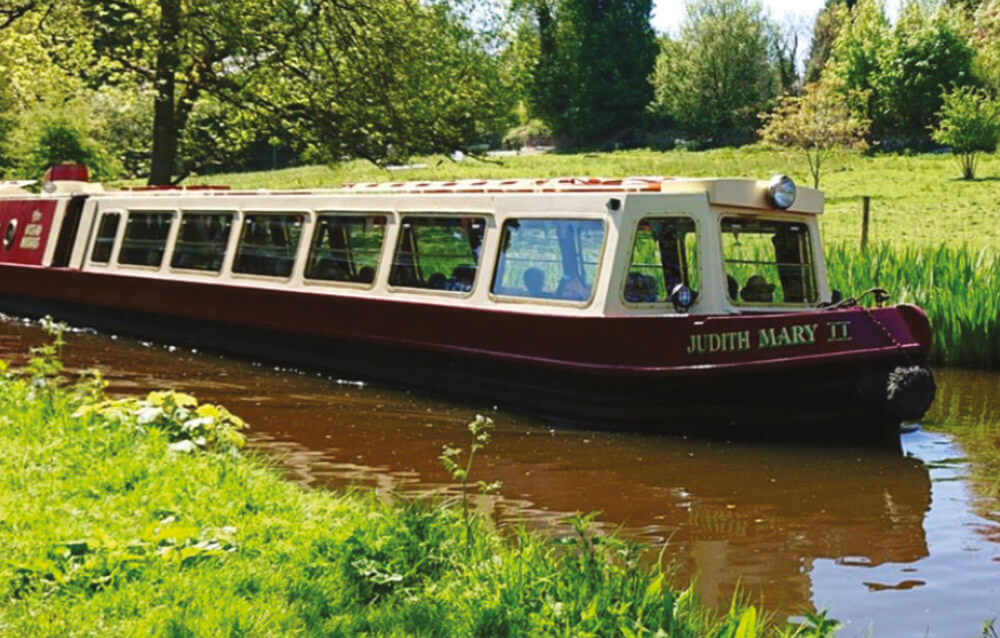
(661, 304)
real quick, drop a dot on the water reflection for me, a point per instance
(881, 538)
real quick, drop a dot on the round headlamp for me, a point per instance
(781, 191)
(682, 297)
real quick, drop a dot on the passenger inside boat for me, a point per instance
(773, 259)
(757, 290)
(549, 258)
(664, 255)
(438, 253)
(346, 248)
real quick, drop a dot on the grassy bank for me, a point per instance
(916, 200)
(141, 518)
(956, 287)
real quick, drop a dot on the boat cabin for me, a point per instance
(641, 246)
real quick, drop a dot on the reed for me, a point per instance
(959, 288)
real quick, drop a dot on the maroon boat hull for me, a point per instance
(737, 374)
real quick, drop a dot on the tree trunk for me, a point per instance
(165, 125)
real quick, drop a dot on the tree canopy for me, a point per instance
(164, 88)
(720, 73)
(593, 60)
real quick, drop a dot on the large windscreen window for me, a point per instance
(438, 253)
(346, 248)
(145, 238)
(664, 255)
(107, 230)
(201, 241)
(768, 261)
(549, 258)
(268, 244)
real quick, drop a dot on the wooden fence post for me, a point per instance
(865, 218)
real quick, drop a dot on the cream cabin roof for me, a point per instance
(729, 192)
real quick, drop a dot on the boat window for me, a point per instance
(439, 253)
(268, 245)
(107, 230)
(768, 261)
(664, 255)
(145, 238)
(346, 248)
(10, 234)
(201, 241)
(549, 258)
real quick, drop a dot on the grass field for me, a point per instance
(138, 518)
(916, 200)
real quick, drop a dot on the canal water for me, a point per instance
(890, 542)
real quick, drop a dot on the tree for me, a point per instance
(817, 123)
(894, 77)
(595, 56)
(825, 31)
(985, 39)
(720, 74)
(13, 10)
(926, 54)
(404, 79)
(336, 77)
(857, 56)
(970, 124)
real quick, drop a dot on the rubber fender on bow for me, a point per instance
(909, 392)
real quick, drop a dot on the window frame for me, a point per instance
(229, 266)
(630, 250)
(751, 305)
(167, 241)
(95, 233)
(486, 218)
(235, 219)
(547, 216)
(389, 222)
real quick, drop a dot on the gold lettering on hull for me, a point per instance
(714, 342)
(802, 334)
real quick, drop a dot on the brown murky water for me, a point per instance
(891, 543)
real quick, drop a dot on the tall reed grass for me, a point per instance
(959, 288)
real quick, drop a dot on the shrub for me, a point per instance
(969, 126)
(61, 141)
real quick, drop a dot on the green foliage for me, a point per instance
(858, 53)
(894, 76)
(970, 124)
(956, 287)
(590, 83)
(816, 123)
(926, 55)
(985, 38)
(825, 31)
(188, 425)
(710, 87)
(532, 133)
(63, 142)
(460, 471)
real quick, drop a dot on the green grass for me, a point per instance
(956, 287)
(916, 200)
(108, 528)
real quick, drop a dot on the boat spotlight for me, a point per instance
(682, 297)
(781, 191)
